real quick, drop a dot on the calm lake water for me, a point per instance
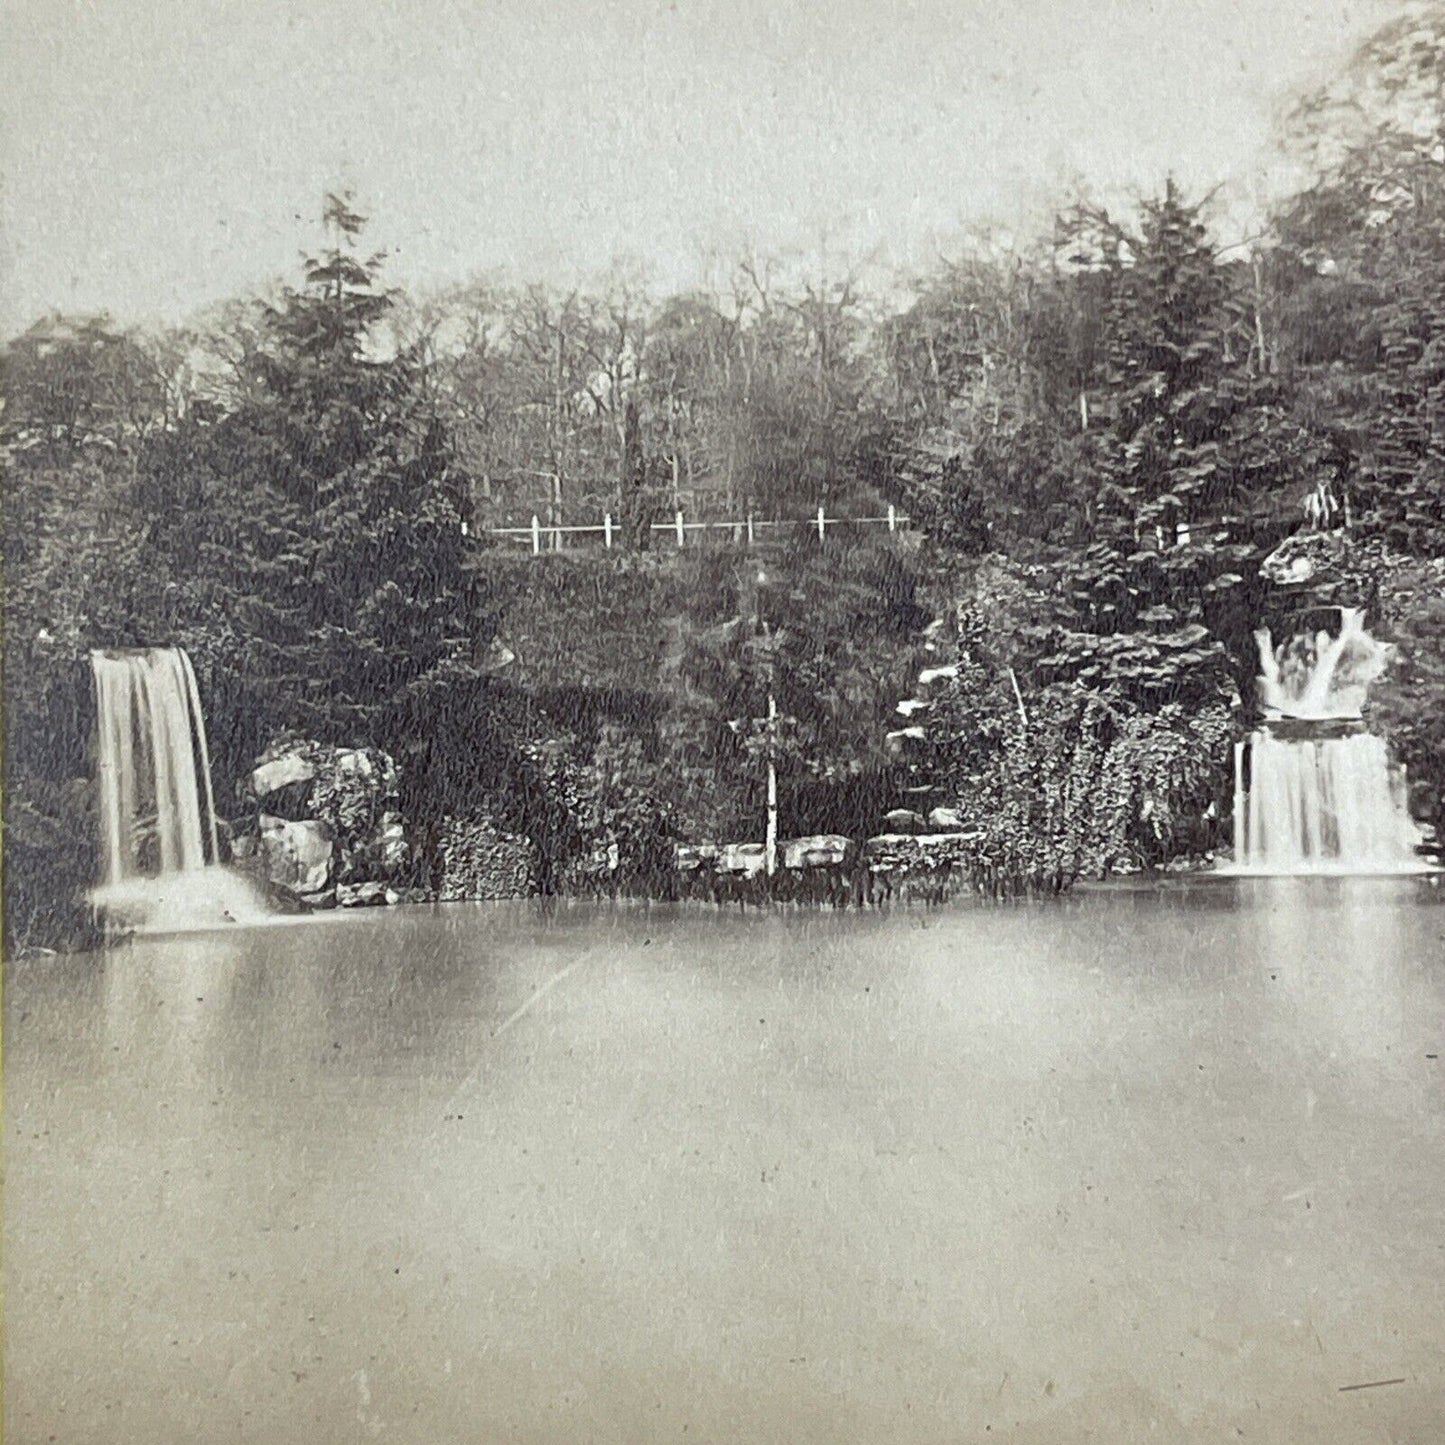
(1161, 1163)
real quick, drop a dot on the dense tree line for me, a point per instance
(1098, 440)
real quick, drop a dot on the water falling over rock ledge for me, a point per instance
(160, 847)
(1315, 791)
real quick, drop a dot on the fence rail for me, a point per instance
(748, 528)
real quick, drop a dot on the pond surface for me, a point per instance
(1154, 1163)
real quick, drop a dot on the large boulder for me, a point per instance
(298, 855)
(341, 799)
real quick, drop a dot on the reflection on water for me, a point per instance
(1340, 978)
(779, 1175)
(399, 994)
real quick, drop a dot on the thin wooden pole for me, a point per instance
(681, 535)
(770, 844)
(536, 534)
(822, 523)
(607, 529)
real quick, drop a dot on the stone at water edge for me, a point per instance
(691, 857)
(365, 895)
(745, 858)
(820, 850)
(298, 856)
(946, 820)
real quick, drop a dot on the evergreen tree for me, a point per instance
(1193, 440)
(328, 536)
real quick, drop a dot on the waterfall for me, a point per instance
(1315, 791)
(158, 836)
(154, 764)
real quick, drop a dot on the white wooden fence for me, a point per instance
(747, 528)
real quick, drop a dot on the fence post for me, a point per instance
(892, 517)
(681, 535)
(822, 522)
(607, 529)
(750, 529)
(536, 535)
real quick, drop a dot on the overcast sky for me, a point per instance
(164, 154)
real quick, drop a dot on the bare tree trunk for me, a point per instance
(1259, 319)
(633, 481)
(559, 421)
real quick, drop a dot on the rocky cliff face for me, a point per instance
(326, 827)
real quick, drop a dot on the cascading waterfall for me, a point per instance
(154, 764)
(159, 840)
(1315, 791)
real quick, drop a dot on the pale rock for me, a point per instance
(298, 855)
(820, 850)
(362, 895)
(932, 674)
(748, 859)
(280, 773)
(691, 857)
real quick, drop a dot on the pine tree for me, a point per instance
(1194, 439)
(327, 550)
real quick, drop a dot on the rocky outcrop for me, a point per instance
(326, 818)
(297, 855)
